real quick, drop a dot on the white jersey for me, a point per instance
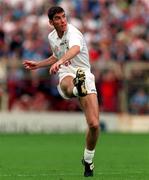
(60, 46)
(71, 37)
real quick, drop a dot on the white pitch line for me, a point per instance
(65, 174)
(38, 175)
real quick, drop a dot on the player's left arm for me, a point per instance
(71, 53)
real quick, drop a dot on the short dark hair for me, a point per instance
(54, 10)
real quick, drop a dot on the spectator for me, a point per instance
(109, 88)
(139, 102)
(114, 30)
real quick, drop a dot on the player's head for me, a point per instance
(57, 18)
(54, 10)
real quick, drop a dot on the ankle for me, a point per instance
(89, 155)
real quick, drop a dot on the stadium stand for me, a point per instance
(118, 40)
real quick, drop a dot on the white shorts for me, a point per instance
(89, 81)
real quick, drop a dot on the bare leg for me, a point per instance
(90, 107)
(67, 86)
(89, 104)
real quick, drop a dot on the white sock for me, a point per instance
(75, 91)
(89, 155)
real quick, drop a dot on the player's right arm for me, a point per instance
(31, 65)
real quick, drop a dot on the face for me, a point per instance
(59, 22)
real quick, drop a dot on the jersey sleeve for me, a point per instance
(51, 46)
(76, 39)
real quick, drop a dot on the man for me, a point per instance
(70, 61)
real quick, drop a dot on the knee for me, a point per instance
(67, 91)
(94, 125)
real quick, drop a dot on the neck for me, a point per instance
(60, 34)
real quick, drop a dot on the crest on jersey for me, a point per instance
(64, 43)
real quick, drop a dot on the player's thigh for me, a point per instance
(90, 107)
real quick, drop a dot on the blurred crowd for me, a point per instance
(116, 31)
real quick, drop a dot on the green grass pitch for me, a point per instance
(58, 156)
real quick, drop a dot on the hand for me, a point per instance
(67, 63)
(55, 67)
(30, 64)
